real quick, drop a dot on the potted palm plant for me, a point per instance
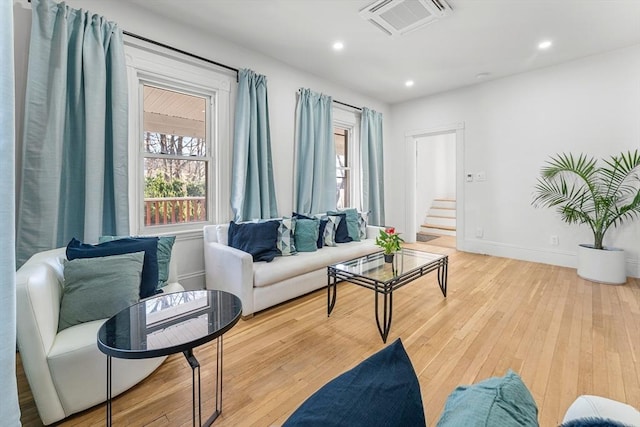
(601, 197)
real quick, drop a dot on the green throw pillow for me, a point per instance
(306, 235)
(165, 246)
(498, 401)
(98, 288)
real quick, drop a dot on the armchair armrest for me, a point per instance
(38, 293)
(231, 270)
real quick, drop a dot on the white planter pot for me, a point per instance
(602, 265)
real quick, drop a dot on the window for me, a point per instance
(346, 125)
(180, 144)
(343, 170)
(175, 149)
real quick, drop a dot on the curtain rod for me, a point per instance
(347, 105)
(341, 103)
(175, 49)
(166, 46)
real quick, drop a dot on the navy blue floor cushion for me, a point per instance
(382, 390)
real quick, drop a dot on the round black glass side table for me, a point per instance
(168, 324)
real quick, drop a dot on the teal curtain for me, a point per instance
(74, 164)
(253, 193)
(9, 408)
(372, 165)
(316, 154)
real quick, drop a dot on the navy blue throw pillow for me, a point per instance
(323, 225)
(149, 281)
(256, 238)
(342, 232)
(383, 390)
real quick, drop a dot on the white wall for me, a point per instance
(283, 83)
(435, 172)
(511, 126)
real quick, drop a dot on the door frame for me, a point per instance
(411, 138)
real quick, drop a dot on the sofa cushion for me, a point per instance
(382, 390)
(149, 281)
(342, 232)
(286, 241)
(283, 268)
(353, 229)
(306, 235)
(362, 224)
(256, 238)
(165, 247)
(321, 228)
(98, 288)
(498, 401)
(329, 234)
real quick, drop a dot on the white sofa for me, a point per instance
(261, 285)
(66, 371)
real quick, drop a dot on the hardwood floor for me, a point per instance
(565, 337)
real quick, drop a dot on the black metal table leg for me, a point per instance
(193, 362)
(442, 276)
(331, 296)
(387, 312)
(109, 413)
(218, 385)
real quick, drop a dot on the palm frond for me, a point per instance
(584, 193)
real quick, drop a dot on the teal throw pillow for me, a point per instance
(353, 228)
(97, 288)
(165, 247)
(498, 401)
(306, 235)
(286, 237)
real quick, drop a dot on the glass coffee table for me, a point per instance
(168, 324)
(371, 271)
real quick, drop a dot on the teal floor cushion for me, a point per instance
(382, 390)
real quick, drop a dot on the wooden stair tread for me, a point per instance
(441, 216)
(441, 227)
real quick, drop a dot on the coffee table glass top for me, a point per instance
(374, 266)
(169, 323)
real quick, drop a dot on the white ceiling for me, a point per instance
(480, 36)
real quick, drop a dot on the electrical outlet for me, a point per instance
(553, 240)
(469, 177)
(479, 232)
(481, 176)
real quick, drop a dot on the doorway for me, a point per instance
(435, 191)
(435, 215)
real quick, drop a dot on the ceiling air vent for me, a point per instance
(397, 17)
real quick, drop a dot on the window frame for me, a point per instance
(160, 67)
(349, 120)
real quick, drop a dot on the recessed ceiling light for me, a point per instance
(482, 75)
(338, 46)
(546, 44)
(409, 83)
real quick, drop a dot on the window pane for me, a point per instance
(340, 137)
(175, 191)
(173, 122)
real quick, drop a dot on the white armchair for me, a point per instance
(66, 371)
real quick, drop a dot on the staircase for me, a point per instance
(441, 218)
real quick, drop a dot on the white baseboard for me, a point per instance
(545, 256)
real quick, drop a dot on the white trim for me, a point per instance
(411, 178)
(155, 65)
(347, 118)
